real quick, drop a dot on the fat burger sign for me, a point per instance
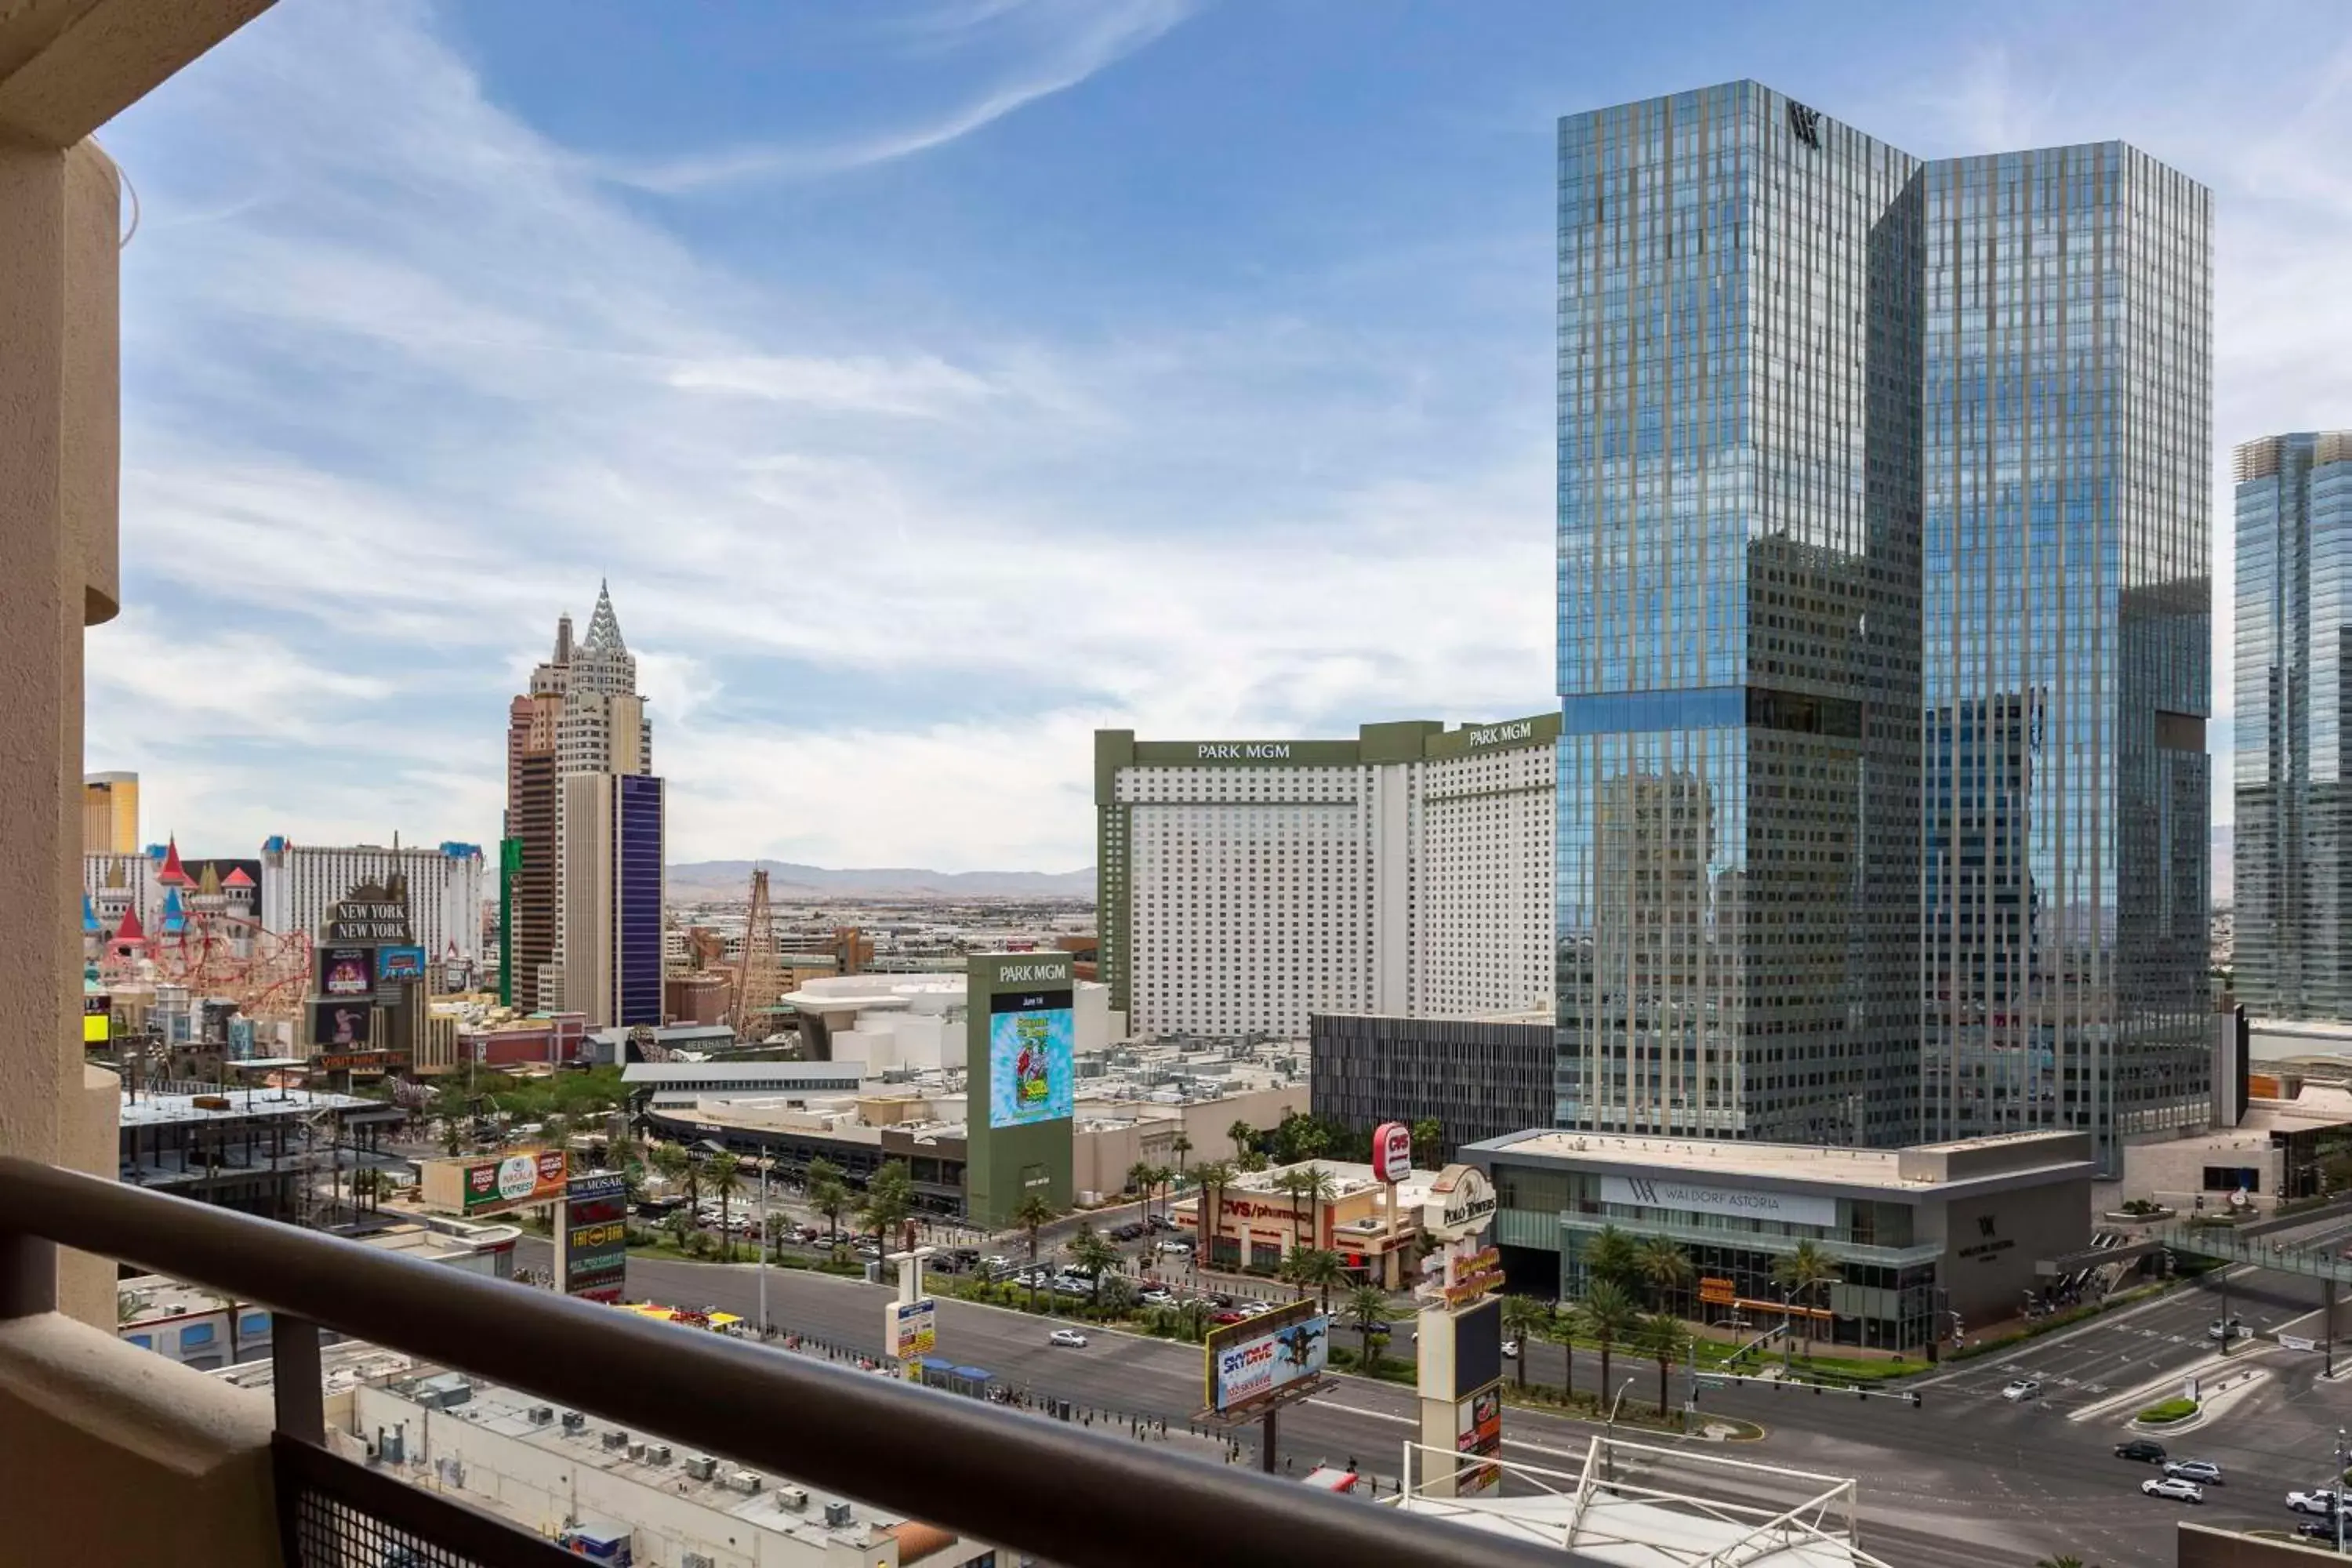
(1461, 1203)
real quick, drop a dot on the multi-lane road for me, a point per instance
(1967, 1478)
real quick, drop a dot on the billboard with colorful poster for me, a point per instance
(518, 1181)
(341, 1025)
(399, 963)
(346, 971)
(1250, 1363)
(1031, 1076)
(1479, 1435)
(595, 1236)
(914, 1328)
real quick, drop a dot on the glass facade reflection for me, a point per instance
(2293, 864)
(1884, 594)
(2066, 556)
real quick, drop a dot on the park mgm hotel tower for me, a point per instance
(1884, 600)
(1247, 885)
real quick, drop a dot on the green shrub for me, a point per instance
(2170, 1410)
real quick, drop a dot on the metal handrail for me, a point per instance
(987, 1473)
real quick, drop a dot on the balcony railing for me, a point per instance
(1039, 1489)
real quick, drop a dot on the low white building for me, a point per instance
(584, 1482)
(913, 1024)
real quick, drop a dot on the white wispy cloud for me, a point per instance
(404, 380)
(1063, 43)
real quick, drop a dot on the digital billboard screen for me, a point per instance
(1031, 1073)
(342, 1024)
(514, 1182)
(1477, 1347)
(400, 963)
(1479, 1435)
(346, 971)
(595, 1236)
(1253, 1361)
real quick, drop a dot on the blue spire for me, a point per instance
(172, 918)
(89, 917)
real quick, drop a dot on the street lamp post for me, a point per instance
(764, 1162)
(2336, 1490)
(1609, 1429)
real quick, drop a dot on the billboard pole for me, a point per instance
(765, 1160)
(1267, 1440)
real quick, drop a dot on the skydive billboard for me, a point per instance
(1031, 1070)
(1249, 1362)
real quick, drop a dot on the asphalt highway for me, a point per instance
(1967, 1478)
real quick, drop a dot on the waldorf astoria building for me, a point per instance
(1884, 608)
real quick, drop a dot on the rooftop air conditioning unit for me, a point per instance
(792, 1497)
(575, 1422)
(695, 1560)
(542, 1414)
(746, 1482)
(701, 1467)
(615, 1439)
(658, 1453)
(637, 1451)
(837, 1514)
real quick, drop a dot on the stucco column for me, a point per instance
(59, 437)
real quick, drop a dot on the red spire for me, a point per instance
(236, 878)
(131, 930)
(172, 870)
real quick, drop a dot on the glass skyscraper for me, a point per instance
(2293, 862)
(1884, 592)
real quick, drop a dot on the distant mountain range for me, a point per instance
(720, 879)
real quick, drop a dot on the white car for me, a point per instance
(1077, 1341)
(2173, 1486)
(1510, 1350)
(1175, 1246)
(1157, 1297)
(2022, 1390)
(2232, 1329)
(2318, 1501)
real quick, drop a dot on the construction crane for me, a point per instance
(759, 976)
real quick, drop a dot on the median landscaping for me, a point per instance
(2166, 1411)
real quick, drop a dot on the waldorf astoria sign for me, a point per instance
(1696, 1197)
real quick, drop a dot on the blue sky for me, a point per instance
(937, 380)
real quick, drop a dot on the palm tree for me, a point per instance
(829, 1195)
(1523, 1318)
(1324, 1269)
(1609, 1315)
(675, 1168)
(1428, 1143)
(1192, 1320)
(1032, 1214)
(1138, 1181)
(889, 1199)
(1180, 1146)
(1610, 1255)
(1094, 1258)
(1800, 1274)
(1243, 1134)
(1161, 1175)
(725, 1179)
(1367, 1310)
(1663, 1338)
(1562, 1327)
(1310, 1187)
(1212, 1179)
(1664, 1268)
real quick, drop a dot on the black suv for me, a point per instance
(2142, 1449)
